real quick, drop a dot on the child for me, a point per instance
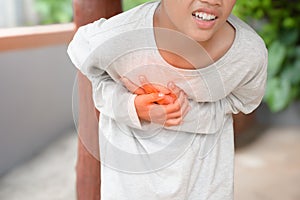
(182, 149)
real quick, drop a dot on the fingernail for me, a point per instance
(161, 94)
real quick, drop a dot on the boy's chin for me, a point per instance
(201, 36)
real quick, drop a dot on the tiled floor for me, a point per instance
(268, 168)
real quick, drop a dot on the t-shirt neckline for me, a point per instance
(220, 62)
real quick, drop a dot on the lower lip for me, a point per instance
(204, 24)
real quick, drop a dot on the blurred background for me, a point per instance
(38, 138)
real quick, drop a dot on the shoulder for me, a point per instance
(106, 37)
(106, 28)
(246, 32)
(250, 45)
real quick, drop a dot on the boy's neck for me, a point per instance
(216, 47)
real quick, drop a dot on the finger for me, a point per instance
(133, 88)
(161, 88)
(185, 108)
(174, 115)
(157, 114)
(152, 87)
(169, 99)
(176, 106)
(153, 97)
(174, 88)
(180, 98)
(148, 87)
(171, 108)
(184, 104)
(173, 122)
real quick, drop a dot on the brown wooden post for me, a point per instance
(88, 166)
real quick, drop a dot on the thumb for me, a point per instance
(153, 97)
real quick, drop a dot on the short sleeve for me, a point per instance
(249, 94)
(79, 49)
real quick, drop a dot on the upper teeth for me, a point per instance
(204, 16)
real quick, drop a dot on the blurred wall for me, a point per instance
(36, 101)
(288, 117)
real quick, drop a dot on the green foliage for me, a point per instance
(54, 11)
(278, 23)
(60, 11)
(127, 4)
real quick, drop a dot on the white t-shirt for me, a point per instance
(193, 161)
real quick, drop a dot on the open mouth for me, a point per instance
(204, 16)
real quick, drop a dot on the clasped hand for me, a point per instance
(158, 104)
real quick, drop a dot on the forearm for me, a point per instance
(114, 101)
(208, 117)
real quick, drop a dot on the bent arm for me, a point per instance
(207, 117)
(110, 98)
(113, 100)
